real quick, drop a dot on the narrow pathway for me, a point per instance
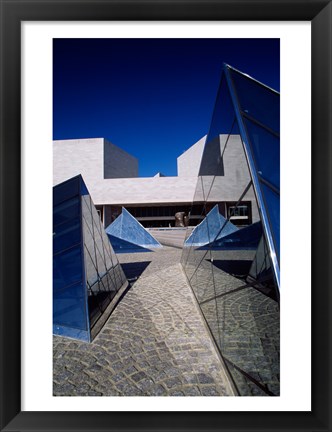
(154, 344)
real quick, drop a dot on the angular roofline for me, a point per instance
(226, 65)
(252, 170)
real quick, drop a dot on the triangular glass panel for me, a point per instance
(257, 109)
(86, 285)
(127, 234)
(231, 256)
(214, 226)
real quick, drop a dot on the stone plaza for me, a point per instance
(155, 343)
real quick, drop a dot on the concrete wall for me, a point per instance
(189, 162)
(236, 173)
(152, 190)
(235, 178)
(86, 157)
(93, 158)
(118, 163)
(81, 156)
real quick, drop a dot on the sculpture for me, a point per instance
(181, 219)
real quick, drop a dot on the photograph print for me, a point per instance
(166, 217)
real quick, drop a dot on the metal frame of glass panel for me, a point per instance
(251, 162)
(127, 234)
(86, 285)
(67, 195)
(235, 277)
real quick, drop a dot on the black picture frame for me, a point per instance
(13, 12)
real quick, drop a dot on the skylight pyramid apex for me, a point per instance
(126, 233)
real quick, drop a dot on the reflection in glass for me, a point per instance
(86, 272)
(226, 257)
(266, 151)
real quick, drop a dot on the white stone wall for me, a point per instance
(81, 156)
(236, 174)
(92, 158)
(235, 178)
(189, 162)
(86, 157)
(152, 190)
(118, 163)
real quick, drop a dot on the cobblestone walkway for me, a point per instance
(154, 344)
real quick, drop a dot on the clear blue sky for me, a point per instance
(152, 97)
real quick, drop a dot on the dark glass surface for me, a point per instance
(245, 238)
(66, 210)
(223, 122)
(69, 296)
(250, 337)
(272, 202)
(66, 190)
(266, 151)
(209, 310)
(85, 268)
(223, 118)
(104, 274)
(69, 307)
(101, 265)
(66, 235)
(202, 281)
(257, 101)
(244, 384)
(67, 268)
(226, 258)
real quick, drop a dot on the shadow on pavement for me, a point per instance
(135, 269)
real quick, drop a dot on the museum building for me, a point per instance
(228, 183)
(111, 176)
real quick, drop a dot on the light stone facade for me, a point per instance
(111, 174)
(236, 178)
(95, 159)
(144, 190)
(189, 162)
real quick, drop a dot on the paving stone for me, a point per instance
(118, 377)
(191, 391)
(130, 390)
(64, 374)
(205, 379)
(145, 384)
(113, 358)
(154, 343)
(94, 393)
(158, 376)
(108, 391)
(131, 370)
(157, 390)
(95, 368)
(189, 378)
(176, 393)
(138, 376)
(117, 366)
(173, 382)
(209, 391)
